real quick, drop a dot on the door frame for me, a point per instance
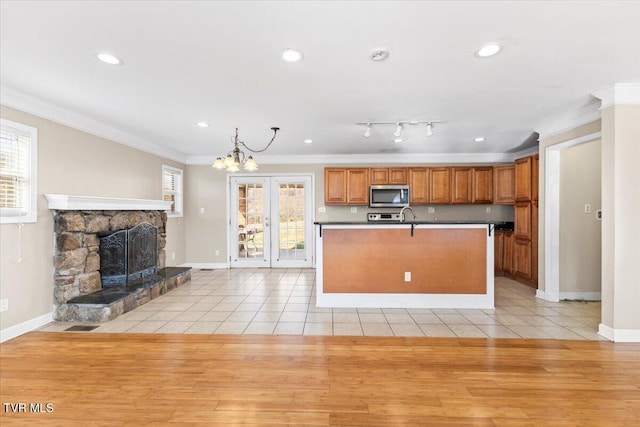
(264, 174)
(552, 215)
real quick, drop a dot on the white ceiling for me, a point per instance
(220, 62)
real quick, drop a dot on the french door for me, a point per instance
(271, 221)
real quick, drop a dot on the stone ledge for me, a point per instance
(108, 303)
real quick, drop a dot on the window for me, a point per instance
(172, 189)
(18, 154)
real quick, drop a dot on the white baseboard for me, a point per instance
(206, 265)
(540, 294)
(619, 335)
(583, 296)
(24, 327)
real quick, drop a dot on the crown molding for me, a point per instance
(619, 94)
(372, 159)
(15, 98)
(571, 120)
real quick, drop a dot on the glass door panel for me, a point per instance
(249, 223)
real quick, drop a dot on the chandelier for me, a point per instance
(236, 157)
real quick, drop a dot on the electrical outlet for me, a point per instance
(173, 256)
(201, 211)
(322, 209)
(354, 210)
(407, 276)
(431, 210)
(488, 209)
(217, 252)
(4, 305)
(587, 208)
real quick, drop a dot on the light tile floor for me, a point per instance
(282, 302)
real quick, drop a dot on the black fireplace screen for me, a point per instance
(128, 255)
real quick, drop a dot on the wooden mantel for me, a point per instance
(63, 202)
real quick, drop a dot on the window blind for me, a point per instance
(15, 172)
(172, 188)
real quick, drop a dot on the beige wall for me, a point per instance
(207, 188)
(77, 163)
(580, 242)
(578, 132)
(620, 229)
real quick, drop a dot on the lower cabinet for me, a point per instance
(498, 251)
(522, 259)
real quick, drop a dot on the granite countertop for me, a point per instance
(415, 222)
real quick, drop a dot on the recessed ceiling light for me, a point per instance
(308, 141)
(379, 54)
(398, 140)
(202, 124)
(108, 58)
(291, 55)
(479, 139)
(488, 50)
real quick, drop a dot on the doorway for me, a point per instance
(271, 221)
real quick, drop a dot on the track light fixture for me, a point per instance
(429, 129)
(367, 131)
(400, 127)
(398, 131)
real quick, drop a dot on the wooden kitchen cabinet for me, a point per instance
(498, 251)
(507, 254)
(346, 186)
(534, 243)
(440, 185)
(535, 165)
(418, 186)
(482, 186)
(358, 186)
(335, 186)
(390, 176)
(522, 259)
(461, 185)
(522, 223)
(523, 169)
(504, 185)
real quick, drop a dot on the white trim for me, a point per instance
(552, 214)
(14, 98)
(206, 265)
(619, 335)
(26, 326)
(63, 202)
(582, 116)
(367, 300)
(407, 158)
(540, 294)
(619, 94)
(581, 296)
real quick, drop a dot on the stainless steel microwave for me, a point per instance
(388, 196)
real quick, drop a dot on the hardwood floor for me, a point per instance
(164, 379)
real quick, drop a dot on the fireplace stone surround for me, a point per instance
(78, 222)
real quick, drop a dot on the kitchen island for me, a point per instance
(416, 264)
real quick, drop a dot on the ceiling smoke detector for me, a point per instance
(379, 54)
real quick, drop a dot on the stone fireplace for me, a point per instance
(109, 256)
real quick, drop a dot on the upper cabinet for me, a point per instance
(504, 185)
(358, 186)
(461, 185)
(335, 186)
(523, 179)
(418, 186)
(482, 185)
(439, 185)
(346, 186)
(392, 176)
